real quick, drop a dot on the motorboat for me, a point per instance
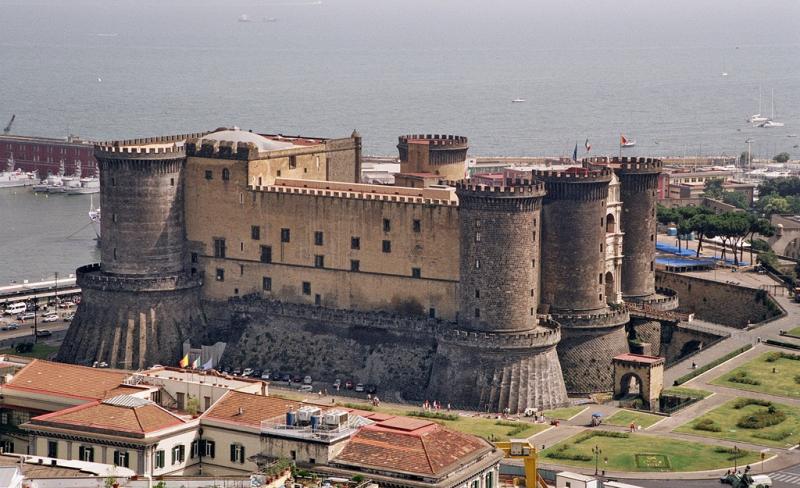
(87, 186)
(518, 100)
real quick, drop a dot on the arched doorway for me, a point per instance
(630, 385)
(692, 346)
(611, 224)
(611, 294)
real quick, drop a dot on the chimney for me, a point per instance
(241, 411)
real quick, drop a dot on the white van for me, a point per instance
(16, 308)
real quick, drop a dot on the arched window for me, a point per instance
(611, 224)
(226, 174)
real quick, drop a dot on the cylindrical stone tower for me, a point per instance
(573, 265)
(139, 304)
(444, 155)
(499, 354)
(638, 182)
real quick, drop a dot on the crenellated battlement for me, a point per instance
(147, 147)
(577, 184)
(545, 336)
(92, 276)
(424, 196)
(627, 164)
(443, 140)
(510, 189)
(574, 175)
(610, 318)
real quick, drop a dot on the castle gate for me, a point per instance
(639, 374)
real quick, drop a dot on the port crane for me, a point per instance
(10, 123)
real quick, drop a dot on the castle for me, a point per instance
(505, 295)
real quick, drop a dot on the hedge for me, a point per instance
(713, 364)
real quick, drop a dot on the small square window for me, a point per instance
(209, 174)
(387, 225)
(306, 288)
(416, 273)
(266, 283)
(355, 243)
(319, 261)
(387, 246)
(220, 274)
(355, 265)
(285, 235)
(417, 225)
(255, 232)
(318, 238)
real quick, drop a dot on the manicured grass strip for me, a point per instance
(713, 364)
(40, 351)
(687, 392)
(640, 452)
(625, 417)
(794, 332)
(757, 375)
(565, 413)
(749, 420)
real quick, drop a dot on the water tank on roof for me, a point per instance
(316, 420)
(291, 418)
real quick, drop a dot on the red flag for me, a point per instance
(622, 140)
(587, 145)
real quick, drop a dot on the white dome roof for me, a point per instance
(236, 135)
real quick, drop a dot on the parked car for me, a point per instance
(371, 389)
(237, 371)
(360, 387)
(26, 316)
(12, 327)
(66, 304)
(247, 372)
(337, 383)
(43, 333)
(50, 318)
(307, 380)
(348, 384)
(305, 388)
(265, 375)
(69, 317)
(297, 378)
(287, 377)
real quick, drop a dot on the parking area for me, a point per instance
(20, 318)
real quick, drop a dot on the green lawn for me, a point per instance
(625, 417)
(565, 413)
(640, 452)
(40, 351)
(689, 392)
(794, 332)
(721, 423)
(783, 382)
(490, 429)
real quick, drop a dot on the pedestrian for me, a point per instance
(448, 406)
(632, 426)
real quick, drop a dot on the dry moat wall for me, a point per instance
(721, 303)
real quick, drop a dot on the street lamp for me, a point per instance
(735, 458)
(749, 153)
(596, 451)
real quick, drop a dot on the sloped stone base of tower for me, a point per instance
(586, 353)
(132, 329)
(494, 378)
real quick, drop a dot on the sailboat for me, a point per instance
(625, 142)
(757, 119)
(724, 73)
(769, 124)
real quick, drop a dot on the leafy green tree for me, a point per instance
(780, 186)
(735, 198)
(713, 189)
(744, 158)
(773, 204)
(782, 157)
(762, 227)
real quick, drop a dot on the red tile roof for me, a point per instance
(427, 450)
(248, 408)
(69, 380)
(106, 418)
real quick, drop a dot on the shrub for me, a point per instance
(744, 402)
(707, 425)
(761, 419)
(731, 452)
(561, 453)
(773, 436)
(359, 406)
(433, 415)
(772, 357)
(600, 433)
(797, 378)
(743, 378)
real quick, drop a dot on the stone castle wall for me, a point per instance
(721, 303)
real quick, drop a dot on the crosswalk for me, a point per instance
(788, 478)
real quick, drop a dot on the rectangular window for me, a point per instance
(477, 293)
(355, 265)
(477, 237)
(181, 400)
(601, 278)
(178, 454)
(319, 261)
(432, 313)
(355, 243)
(266, 283)
(86, 454)
(4, 418)
(285, 235)
(266, 254)
(416, 225)
(416, 273)
(292, 162)
(477, 313)
(121, 458)
(194, 451)
(220, 274)
(208, 449)
(306, 288)
(387, 246)
(255, 232)
(318, 238)
(209, 174)
(318, 299)
(206, 402)
(237, 453)
(219, 248)
(52, 449)
(387, 225)
(194, 257)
